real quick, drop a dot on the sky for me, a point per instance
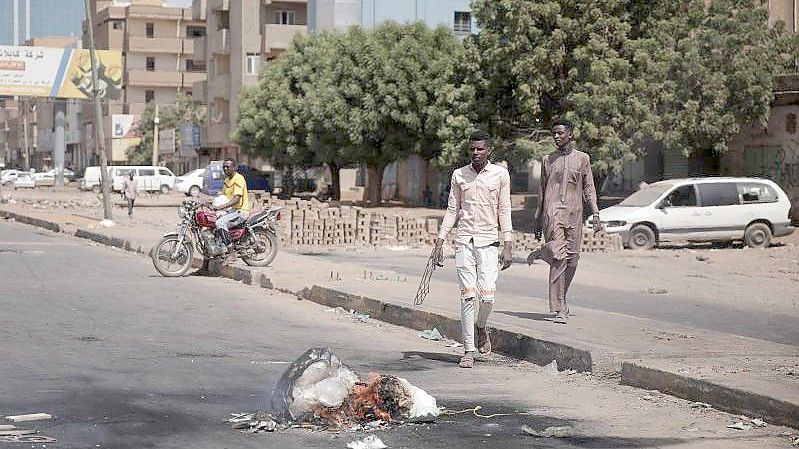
(181, 3)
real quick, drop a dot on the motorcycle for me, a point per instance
(254, 240)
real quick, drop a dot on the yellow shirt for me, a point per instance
(237, 185)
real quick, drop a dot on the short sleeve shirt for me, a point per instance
(237, 185)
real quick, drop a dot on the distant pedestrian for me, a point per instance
(479, 201)
(566, 181)
(129, 189)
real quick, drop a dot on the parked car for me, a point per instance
(24, 180)
(751, 210)
(190, 183)
(8, 176)
(45, 178)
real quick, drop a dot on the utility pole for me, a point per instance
(98, 119)
(26, 155)
(156, 121)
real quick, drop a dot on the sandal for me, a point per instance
(467, 361)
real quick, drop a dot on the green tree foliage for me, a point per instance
(630, 73)
(169, 116)
(365, 96)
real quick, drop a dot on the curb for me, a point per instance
(725, 398)
(539, 351)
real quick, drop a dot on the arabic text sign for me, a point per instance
(58, 72)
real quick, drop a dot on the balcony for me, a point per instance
(154, 45)
(219, 86)
(220, 42)
(188, 47)
(189, 78)
(154, 78)
(199, 47)
(278, 37)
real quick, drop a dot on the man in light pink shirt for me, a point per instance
(479, 202)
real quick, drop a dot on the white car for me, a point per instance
(9, 175)
(24, 180)
(190, 183)
(751, 210)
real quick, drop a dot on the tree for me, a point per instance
(629, 73)
(365, 96)
(170, 116)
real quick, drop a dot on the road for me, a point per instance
(125, 359)
(724, 302)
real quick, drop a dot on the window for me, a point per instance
(195, 66)
(718, 194)
(193, 31)
(790, 123)
(463, 22)
(755, 192)
(150, 63)
(116, 24)
(150, 29)
(224, 20)
(149, 95)
(123, 172)
(284, 17)
(164, 172)
(253, 63)
(146, 172)
(683, 196)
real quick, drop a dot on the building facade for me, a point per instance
(241, 37)
(157, 44)
(23, 20)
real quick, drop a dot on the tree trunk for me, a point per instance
(335, 178)
(375, 188)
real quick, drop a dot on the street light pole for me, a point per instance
(98, 120)
(156, 121)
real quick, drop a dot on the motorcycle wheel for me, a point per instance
(266, 243)
(163, 261)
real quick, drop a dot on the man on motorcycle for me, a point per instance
(237, 209)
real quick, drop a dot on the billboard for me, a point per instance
(124, 135)
(58, 72)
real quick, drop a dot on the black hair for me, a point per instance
(563, 121)
(479, 135)
(229, 159)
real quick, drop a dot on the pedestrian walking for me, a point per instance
(479, 202)
(129, 189)
(566, 181)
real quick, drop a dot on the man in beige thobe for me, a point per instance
(566, 181)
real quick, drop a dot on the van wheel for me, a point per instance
(164, 189)
(194, 191)
(96, 190)
(757, 235)
(642, 237)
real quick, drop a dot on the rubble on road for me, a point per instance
(370, 442)
(549, 432)
(320, 392)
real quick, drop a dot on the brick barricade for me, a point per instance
(314, 223)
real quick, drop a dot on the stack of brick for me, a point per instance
(314, 223)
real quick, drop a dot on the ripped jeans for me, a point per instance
(478, 268)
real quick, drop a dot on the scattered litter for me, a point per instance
(254, 422)
(570, 372)
(657, 290)
(358, 316)
(758, 422)
(370, 442)
(700, 405)
(107, 223)
(431, 334)
(648, 397)
(739, 426)
(703, 259)
(549, 432)
(552, 368)
(30, 417)
(454, 344)
(690, 428)
(475, 411)
(794, 441)
(337, 310)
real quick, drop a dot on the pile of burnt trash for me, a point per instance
(318, 391)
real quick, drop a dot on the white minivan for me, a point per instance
(149, 178)
(718, 209)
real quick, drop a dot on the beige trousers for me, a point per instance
(478, 268)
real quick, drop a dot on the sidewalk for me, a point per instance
(733, 373)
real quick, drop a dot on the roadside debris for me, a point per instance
(551, 368)
(657, 290)
(700, 405)
(739, 426)
(431, 334)
(319, 391)
(370, 442)
(549, 432)
(29, 417)
(758, 422)
(453, 344)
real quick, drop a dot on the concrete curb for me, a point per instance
(520, 346)
(725, 398)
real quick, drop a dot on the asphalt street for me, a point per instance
(123, 358)
(692, 311)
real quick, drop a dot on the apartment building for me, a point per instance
(157, 44)
(241, 36)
